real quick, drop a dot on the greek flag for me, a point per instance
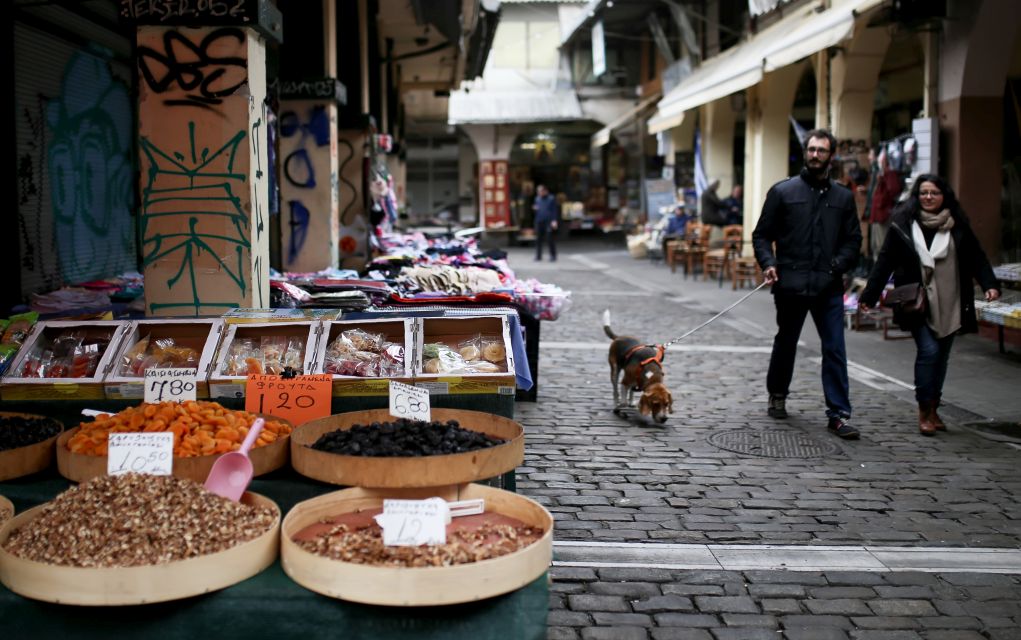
(799, 131)
(701, 182)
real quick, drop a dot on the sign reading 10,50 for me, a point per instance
(170, 385)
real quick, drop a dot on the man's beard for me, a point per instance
(818, 171)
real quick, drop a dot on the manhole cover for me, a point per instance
(772, 444)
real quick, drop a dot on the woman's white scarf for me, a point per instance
(944, 314)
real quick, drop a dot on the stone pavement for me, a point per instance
(613, 480)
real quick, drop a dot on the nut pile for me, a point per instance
(404, 438)
(132, 520)
(365, 545)
(21, 431)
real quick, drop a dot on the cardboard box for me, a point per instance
(452, 332)
(399, 331)
(15, 386)
(224, 385)
(203, 336)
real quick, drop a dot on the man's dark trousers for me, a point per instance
(827, 311)
(543, 234)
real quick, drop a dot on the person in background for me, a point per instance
(712, 207)
(734, 206)
(884, 198)
(677, 225)
(814, 225)
(931, 242)
(547, 219)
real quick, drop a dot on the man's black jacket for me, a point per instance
(816, 232)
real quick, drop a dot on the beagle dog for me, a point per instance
(642, 366)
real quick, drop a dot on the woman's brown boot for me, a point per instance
(925, 424)
(934, 417)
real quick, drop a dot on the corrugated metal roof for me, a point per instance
(490, 107)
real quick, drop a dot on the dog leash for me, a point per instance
(743, 298)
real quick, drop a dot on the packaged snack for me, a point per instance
(238, 357)
(272, 350)
(19, 327)
(132, 360)
(494, 351)
(359, 353)
(440, 358)
(471, 349)
(295, 354)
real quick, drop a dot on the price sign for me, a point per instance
(407, 401)
(410, 523)
(296, 400)
(170, 385)
(149, 453)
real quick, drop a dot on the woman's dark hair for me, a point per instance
(913, 205)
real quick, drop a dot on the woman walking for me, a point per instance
(931, 242)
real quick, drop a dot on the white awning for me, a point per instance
(659, 123)
(602, 137)
(498, 107)
(804, 32)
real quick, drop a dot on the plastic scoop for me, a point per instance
(232, 471)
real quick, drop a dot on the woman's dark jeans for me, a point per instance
(930, 363)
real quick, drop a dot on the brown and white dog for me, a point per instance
(642, 367)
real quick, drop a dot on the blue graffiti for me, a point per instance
(299, 228)
(89, 160)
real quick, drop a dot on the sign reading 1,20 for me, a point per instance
(170, 385)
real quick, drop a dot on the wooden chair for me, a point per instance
(745, 269)
(717, 262)
(696, 239)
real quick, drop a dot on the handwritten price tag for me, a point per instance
(173, 385)
(149, 453)
(411, 402)
(410, 523)
(296, 400)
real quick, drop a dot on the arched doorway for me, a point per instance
(803, 113)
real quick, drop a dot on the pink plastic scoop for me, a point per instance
(232, 471)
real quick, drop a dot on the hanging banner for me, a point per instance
(494, 193)
(598, 50)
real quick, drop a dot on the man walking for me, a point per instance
(814, 225)
(547, 216)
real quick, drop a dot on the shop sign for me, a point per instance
(410, 523)
(148, 453)
(407, 401)
(170, 385)
(297, 400)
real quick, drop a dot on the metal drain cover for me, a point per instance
(772, 444)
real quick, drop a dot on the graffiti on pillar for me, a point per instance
(354, 225)
(195, 74)
(304, 146)
(75, 173)
(260, 223)
(201, 187)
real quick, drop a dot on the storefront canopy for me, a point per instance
(499, 107)
(805, 31)
(602, 137)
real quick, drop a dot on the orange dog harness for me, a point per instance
(658, 358)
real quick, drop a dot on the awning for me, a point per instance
(498, 107)
(658, 123)
(602, 137)
(802, 33)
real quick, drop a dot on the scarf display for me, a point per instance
(939, 272)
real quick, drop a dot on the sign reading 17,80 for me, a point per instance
(170, 385)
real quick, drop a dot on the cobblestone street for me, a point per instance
(612, 480)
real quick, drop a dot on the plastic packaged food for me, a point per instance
(356, 352)
(18, 327)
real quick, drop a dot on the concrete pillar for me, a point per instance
(718, 143)
(975, 54)
(351, 182)
(683, 135)
(310, 225)
(823, 102)
(854, 75)
(767, 131)
(203, 165)
(493, 144)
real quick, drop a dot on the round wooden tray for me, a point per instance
(6, 506)
(414, 587)
(32, 458)
(138, 585)
(79, 467)
(395, 472)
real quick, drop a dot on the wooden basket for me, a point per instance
(79, 467)
(137, 585)
(404, 472)
(419, 586)
(15, 463)
(6, 506)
